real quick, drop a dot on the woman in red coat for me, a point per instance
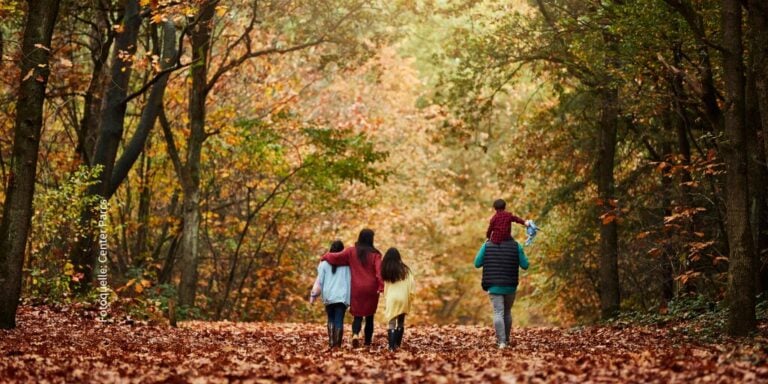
(364, 261)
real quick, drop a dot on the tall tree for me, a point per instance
(741, 275)
(111, 125)
(610, 298)
(758, 24)
(100, 41)
(17, 210)
(190, 171)
(609, 236)
(112, 119)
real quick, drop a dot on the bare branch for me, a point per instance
(159, 75)
(253, 54)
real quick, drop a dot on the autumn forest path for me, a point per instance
(63, 346)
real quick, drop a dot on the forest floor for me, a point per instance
(66, 345)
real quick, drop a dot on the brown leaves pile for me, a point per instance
(66, 346)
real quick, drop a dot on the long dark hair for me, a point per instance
(364, 245)
(392, 267)
(336, 246)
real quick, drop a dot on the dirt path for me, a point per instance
(63, 347)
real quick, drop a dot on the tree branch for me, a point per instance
(148, 114)
(173, 150)
(694, 21)
(253, 54)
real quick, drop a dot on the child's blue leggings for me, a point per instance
(336, 313)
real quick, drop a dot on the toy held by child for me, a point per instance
(398, 287)
(334, 283)
(531, 230)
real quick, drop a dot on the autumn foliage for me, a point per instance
(231, 141)
(127, 350)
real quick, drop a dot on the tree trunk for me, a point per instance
(17, 210)
(100, 45)
(682, 124)
(189, 247)
(116, 170)
(164, 277)
(110, 133)
(609, 267)
(758, 23)
(149, 114)
(741, 277)
(164, 273)
(190, 177)
(756, 169)
(145, 198)
(667, 267)
(709, 96)
(113, 113)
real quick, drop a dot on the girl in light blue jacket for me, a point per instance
(334, 283)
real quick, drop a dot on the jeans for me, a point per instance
(397, 322)
(502, 315)
(357, 323)
(336, 313)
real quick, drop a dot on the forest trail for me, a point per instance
(63, 346)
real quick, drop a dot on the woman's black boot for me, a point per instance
(392, 338)
(337, 332)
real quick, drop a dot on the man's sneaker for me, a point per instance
(502, 345)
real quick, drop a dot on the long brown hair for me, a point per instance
(364, 245)
(392, 267)
(336, 246)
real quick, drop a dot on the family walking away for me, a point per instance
(501, 257)
(362, 277)
(354, 277)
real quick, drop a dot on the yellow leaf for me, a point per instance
(69, 269)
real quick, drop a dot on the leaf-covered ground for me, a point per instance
(62, 345)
